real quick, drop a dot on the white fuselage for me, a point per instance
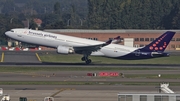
(54, 40)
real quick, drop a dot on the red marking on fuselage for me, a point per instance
(160, 48)
(151, 48)
(156, 48)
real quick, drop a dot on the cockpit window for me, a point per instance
(12, 30)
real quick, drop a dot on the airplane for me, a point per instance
(70, 45)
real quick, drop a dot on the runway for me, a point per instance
(31, 59)
(83, 65)
(98, 92)
(19, 57)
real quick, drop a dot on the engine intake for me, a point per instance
(65, 50)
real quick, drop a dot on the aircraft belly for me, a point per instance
(97, 53)
(113, 53)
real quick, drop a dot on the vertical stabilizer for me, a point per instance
(160, 43)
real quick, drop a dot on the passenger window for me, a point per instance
(12, 30)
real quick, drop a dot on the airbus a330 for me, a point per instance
(70, 45)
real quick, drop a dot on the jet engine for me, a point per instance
(65, 50)
(159, 54)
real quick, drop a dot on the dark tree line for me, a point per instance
(55, 14)
(134, 14)
(90, 14)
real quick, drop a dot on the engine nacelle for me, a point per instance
(159, 54)
(65, 50)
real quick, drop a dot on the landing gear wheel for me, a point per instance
(88, 61)
(83, 58)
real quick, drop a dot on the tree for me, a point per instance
(33, 25)
(8, 6)
(57, 8)
(175, 18)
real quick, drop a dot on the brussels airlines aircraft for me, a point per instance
(68, 45)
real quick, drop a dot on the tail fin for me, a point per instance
(160, 43)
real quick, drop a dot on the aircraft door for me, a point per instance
(115, 50)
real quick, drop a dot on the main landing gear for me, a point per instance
(85, 58)
(88, 61)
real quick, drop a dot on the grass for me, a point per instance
(75, 58)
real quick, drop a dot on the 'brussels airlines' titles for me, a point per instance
(42, 35)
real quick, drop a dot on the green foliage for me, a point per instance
(133, 14)
(33, 25)
(91, 14)
(57, 8)
(76, 58)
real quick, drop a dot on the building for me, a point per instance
(149, 97)
(38, 22)
(134, 38)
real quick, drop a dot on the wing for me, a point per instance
(90, 48)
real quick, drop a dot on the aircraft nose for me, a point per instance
(7, 33)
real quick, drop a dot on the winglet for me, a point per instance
(118, 37)
(107, 43)
(116, 40)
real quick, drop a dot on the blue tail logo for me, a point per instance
(159, 44)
